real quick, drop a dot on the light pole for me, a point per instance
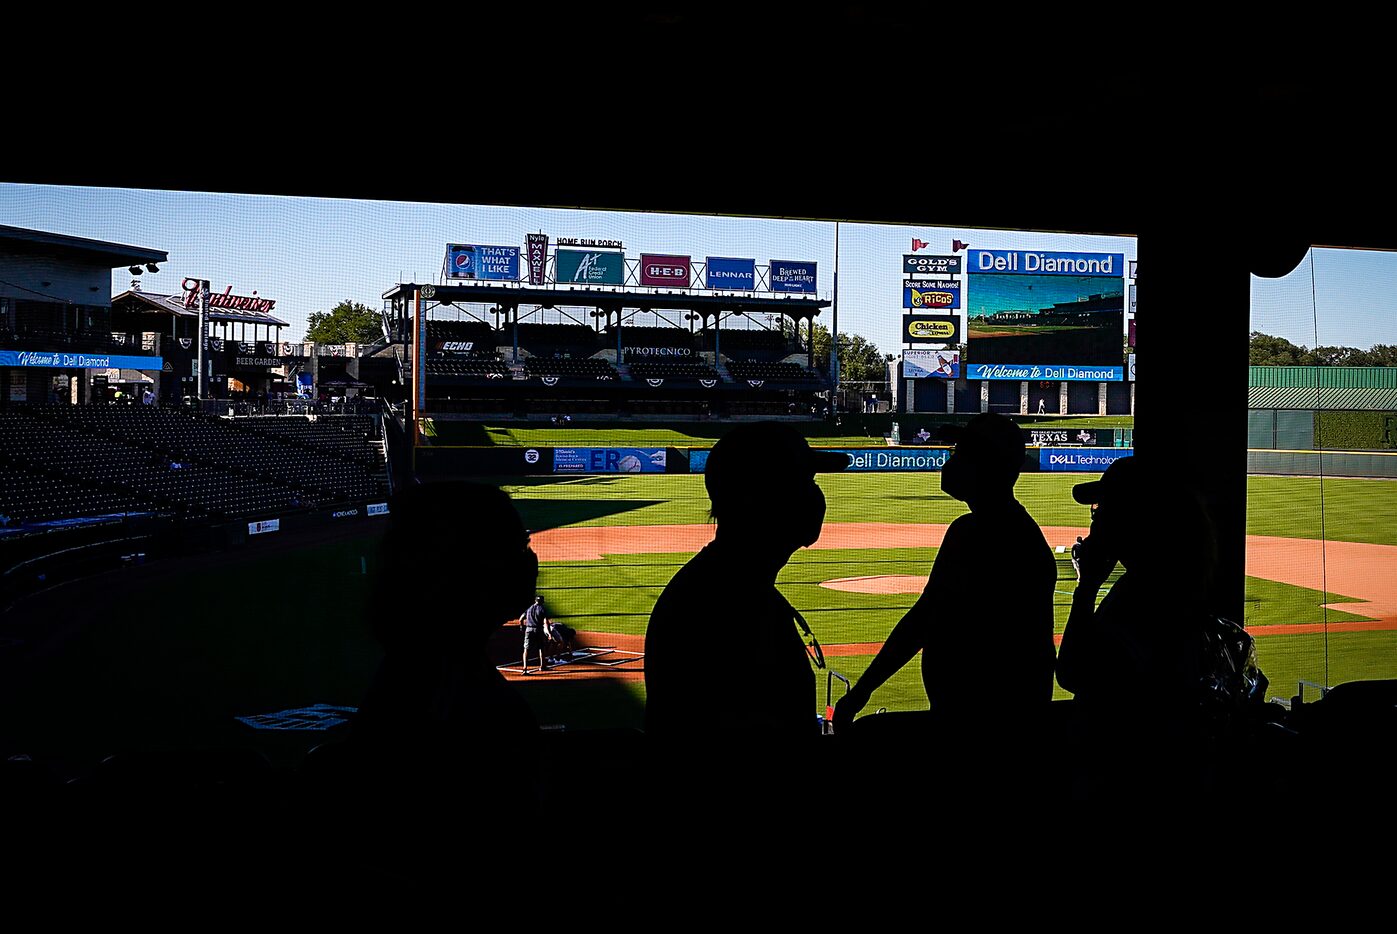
(203, 337)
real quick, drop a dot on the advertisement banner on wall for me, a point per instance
(923, 364)
(476, 261)
(609, 460)
(1083, 460)
(792, 276)
(931, 329)
(931, 293)
(1082, 437)
(589, 267)
(1130, 364)
(657, 269)
(537, 246)
(865, 459)
(84, 361)
(1071, 374)
(1132, 299)
(869, 460)
(1040, 263)
(725, 272)
(931, 265)
(1132, 332)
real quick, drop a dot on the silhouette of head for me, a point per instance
(760, 478)
(1169, 520)
(461, 554)
(986, 462)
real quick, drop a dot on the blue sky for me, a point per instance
(1333, 298)
(308, 253)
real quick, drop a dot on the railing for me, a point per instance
(238, 408)
(75, 341)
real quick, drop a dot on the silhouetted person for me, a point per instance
(456, 564)
(984, 622)
(761, 482)
(1134, 663)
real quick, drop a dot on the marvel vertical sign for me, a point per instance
(537, 248)
(661, 270)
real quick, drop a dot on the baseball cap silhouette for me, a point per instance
(767, 450)
(1119, 483)
(990, 436)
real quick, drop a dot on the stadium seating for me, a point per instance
(477, 332)
(673, 369)
(650, 337)
(584, 368)
(475, 366)
(749, 343)
(28, 496)
(782, 372)
(548, 339)
(195, 465)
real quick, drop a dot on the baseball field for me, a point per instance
(1322, 609)
(172, 652)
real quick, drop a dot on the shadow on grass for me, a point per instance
(539, 514)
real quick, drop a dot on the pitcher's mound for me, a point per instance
(881, 583)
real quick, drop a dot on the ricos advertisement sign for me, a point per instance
(609, 460)
(661, 270)
(931, 329)
(1077, 374)
(588, 267)
(1080, 460)
(791, 276)
(725, 272)
(930, 293)
(473, 261)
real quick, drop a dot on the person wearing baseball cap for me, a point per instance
(760, 480)
(1132, 661)
(984, 621)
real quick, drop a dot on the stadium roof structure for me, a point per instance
(174, 304)
(795, 305)
(1322, 388)
(103, 252)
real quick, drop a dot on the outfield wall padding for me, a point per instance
(1322, 463)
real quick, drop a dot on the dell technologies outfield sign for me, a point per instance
(660, 270)
(931, 265)
(931, 329)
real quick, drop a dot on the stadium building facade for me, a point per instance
(57, 335)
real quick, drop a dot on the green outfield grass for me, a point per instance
(1337, 508)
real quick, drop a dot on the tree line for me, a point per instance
(1267, 350)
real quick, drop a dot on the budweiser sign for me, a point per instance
(225, 299)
